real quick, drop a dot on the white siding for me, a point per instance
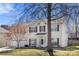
(23, 43)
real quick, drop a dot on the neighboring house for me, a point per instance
(3, 37)
(72, 32)
(73, 36)
(5, 27)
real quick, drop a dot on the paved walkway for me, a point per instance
(4, 49)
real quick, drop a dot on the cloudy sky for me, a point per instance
(6, 13)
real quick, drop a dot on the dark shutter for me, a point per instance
(57, 27)
(58, 42)
(36, 29)
(44, 29)
(29, 29)
(41, 41)
(40, 29)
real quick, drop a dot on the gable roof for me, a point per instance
(2, 30)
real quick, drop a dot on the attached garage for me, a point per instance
(13, 44)
(21, 44)
(24, 43)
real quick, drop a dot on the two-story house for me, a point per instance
(37, 34)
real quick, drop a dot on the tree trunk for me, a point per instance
(17, 43)
(29, 43)
(76, 28)
(50, 50)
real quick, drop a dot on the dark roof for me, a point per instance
(5, 27)
(40, 33)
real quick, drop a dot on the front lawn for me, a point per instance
(68, 51)
(25, 52)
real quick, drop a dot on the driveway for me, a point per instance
(4, 49)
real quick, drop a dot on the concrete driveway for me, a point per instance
(4, 49)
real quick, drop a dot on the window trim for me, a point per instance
(42, 28)
(32, 29)
(56, 27)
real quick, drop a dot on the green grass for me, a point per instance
(68, 51)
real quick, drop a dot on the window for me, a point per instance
(32, 29)
(54, 27)
(42, 29)
(41, 41)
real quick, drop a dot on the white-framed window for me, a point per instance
(54, 27)
(42, 29)
(32, 29)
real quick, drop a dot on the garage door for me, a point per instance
(13, 44)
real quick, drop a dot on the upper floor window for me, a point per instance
(55, 27)
(42, 29)
(32, 29)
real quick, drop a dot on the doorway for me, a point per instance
(32, 42)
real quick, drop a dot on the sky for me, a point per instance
(7, 13)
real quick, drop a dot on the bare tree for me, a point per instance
(74, 17)
(18, 31)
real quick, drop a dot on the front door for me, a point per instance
(32, 42)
